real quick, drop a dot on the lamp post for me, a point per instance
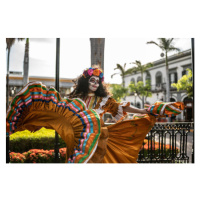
(192, 43)
(57, 155)
(135, 98)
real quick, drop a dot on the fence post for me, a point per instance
(7, 148)
(57, 156)
(192, 53)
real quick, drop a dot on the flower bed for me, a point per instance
(156, 149)
(37, 156)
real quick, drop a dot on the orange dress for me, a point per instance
(78, 122)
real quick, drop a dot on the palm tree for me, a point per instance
(141, 68)
(97, 51)
(122, 72)
(166, 45)
(9, 44)
(26, 63)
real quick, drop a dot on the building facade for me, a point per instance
(16, 83)
(178, 63)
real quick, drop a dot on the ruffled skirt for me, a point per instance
(35, 107)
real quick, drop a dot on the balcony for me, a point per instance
(161, 87)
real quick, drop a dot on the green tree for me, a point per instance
(122, 72)
(118, 91)
(166, 45)
(142, 69)
(185, 83)
(143, 91)
(9, 44)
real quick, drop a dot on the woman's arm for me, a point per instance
(134, 110)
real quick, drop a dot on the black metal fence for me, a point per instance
(169, 143)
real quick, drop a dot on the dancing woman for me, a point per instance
(78, 119)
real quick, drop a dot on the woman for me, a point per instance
(77, 119)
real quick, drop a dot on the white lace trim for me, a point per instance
(103, 102)
(120, 114)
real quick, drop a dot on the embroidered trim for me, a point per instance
(91, 154)
(22, 91)
(103, 102)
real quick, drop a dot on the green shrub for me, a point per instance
(22, 141)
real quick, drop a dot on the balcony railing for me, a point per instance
(160, 87)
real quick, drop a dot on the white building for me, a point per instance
(178, 63)
(16, 83)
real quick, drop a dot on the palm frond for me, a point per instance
(129, 71)
(172, 48)
(20, 39)
(120, 68)
(152, 42)
(124, 66)
(148, 65)
(170, 40)
(113, 74)
(11, 41)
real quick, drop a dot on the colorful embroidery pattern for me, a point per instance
(162, 109)
(35, 92)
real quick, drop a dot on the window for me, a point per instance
(138, 105)
(172, 100)
(148, 77)
(139, 78)
(173, 78)
(158, 79)
(184, 72)
(132, 81)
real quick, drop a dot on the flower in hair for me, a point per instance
(96, 72)
(90, 72)
(101, 75)
(85, 73)
(93, 71)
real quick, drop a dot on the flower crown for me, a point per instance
(93, 72)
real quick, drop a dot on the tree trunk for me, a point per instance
(97, 51)
(142, 95)
(7, 86)
(123, 84)
(167, 79)
(26, 63)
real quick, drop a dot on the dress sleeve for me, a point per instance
(108, 104)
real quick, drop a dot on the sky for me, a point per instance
(75, 55)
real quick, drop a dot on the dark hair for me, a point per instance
(81, 88)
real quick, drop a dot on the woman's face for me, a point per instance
(93, 83)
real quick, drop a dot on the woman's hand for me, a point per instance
(144, 111)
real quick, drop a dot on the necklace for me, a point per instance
(91, 94)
